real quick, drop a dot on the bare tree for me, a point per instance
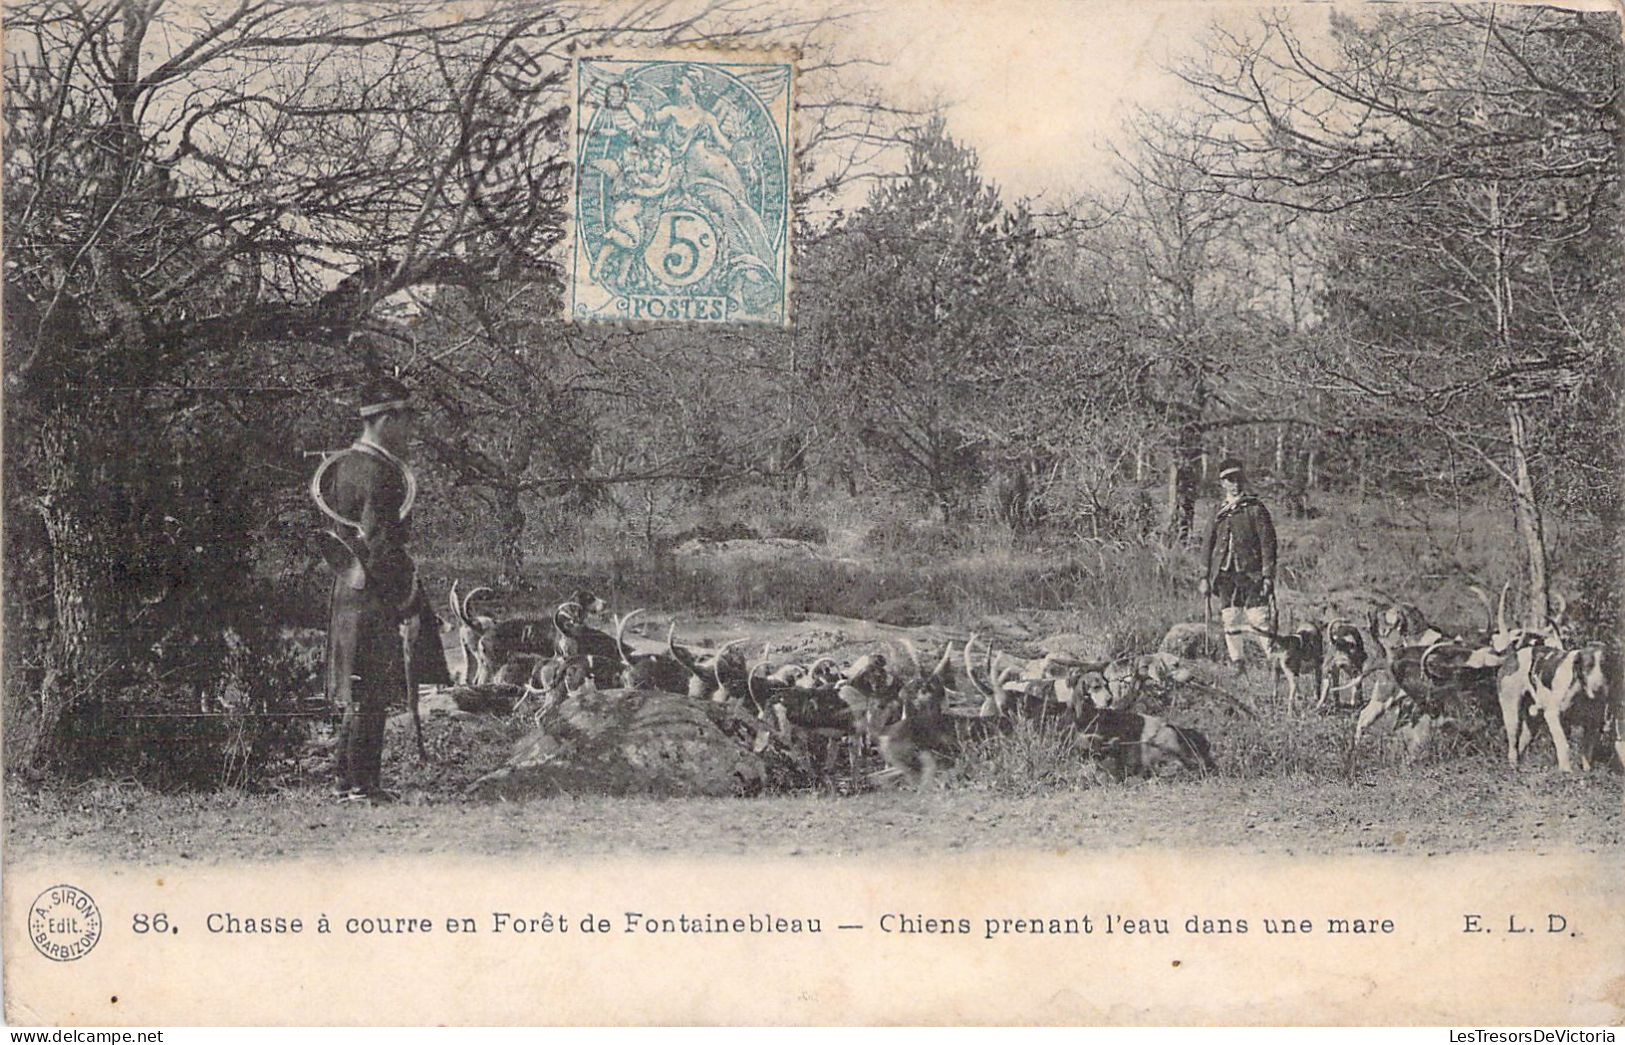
(1184, 281)
(1467, 160)
(193, 183)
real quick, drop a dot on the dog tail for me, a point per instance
(620, 631)
(970, 669)
(456, 606)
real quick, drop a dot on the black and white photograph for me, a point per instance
(720, 430)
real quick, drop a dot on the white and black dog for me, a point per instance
(1539, 682)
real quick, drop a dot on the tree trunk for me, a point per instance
(1527, 512)
(90, 548)
(1184, 467)
(788, 463)
(510, 538)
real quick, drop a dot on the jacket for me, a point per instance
(363, 636)
(1247, 530)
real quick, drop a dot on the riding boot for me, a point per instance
(345, 760)
(372, 749)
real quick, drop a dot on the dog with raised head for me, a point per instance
(488, 643)
(1345, 665)
(1400, 625)
(1539, 683)
(927, 735)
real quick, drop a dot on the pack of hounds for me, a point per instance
(920, 719)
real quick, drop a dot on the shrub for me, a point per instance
(1034, 757)
(796, 528)
(155, 732)
(922, 538)
(733, 530)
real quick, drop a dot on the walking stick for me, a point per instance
(1207, 622)
(412, 691)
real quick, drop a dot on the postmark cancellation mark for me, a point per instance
(682, 189)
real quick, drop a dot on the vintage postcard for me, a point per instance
(748, 512)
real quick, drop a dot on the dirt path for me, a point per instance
(1459, 808)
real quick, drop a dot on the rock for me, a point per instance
(1075, 646)
(1193, 639)
(434, 702)
(460, 702)
(631, 742)
(908, 611)
(495, 699)
(756, 550)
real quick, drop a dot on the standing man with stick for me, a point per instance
(380, 626)
(1239, 558)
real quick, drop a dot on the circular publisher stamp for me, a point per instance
(64, 923)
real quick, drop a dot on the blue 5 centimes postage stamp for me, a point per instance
(682, 188)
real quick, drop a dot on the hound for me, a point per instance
(1435, 683)
(824, 672)
(1128, 678)
(698, 686)
(1402, 625)
(789, 674)
(590, 604)
(488, 643)
(917, 746)
(1007, 679)
(1032, 690)
(1553, 632)
(848, 710)
(1558, 682)
(649, 670)
(730, 674)
(1293, 655)
(471, 637)
(927, 735)
(519, 669)
(574, 636)
(1345, 656)
(1140, 743)
(556, 680)
(1083, 686)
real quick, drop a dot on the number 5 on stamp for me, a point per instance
(682, 188)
